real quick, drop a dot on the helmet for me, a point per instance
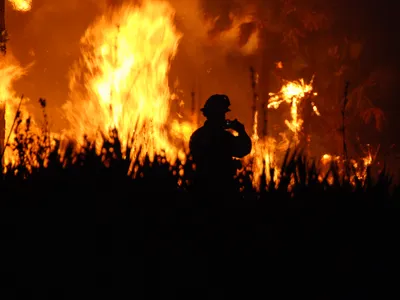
(217, 103)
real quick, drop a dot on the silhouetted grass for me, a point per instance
(41, 160)
(82, 220)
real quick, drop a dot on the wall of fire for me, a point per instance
(48, 36)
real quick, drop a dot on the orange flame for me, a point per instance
(267, 151)
(262, 157)
(21, 5)
(10, 72)
(121, 80)
(293, 92)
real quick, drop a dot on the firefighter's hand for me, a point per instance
(237, 126)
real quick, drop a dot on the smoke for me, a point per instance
(219, 44)
(227, 33)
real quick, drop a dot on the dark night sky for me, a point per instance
(380, 25)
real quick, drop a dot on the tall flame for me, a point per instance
(10, 71)
(121, 80)
(262, 157)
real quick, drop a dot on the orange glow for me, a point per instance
(230, 38)
(21, 5)
(292, 92)
(121, 81)
(10, 72)
(262, 157)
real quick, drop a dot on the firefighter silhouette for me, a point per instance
(214, 147)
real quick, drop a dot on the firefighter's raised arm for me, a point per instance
(241, 144)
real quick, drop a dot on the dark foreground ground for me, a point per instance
(96, 242)
(79, 229)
